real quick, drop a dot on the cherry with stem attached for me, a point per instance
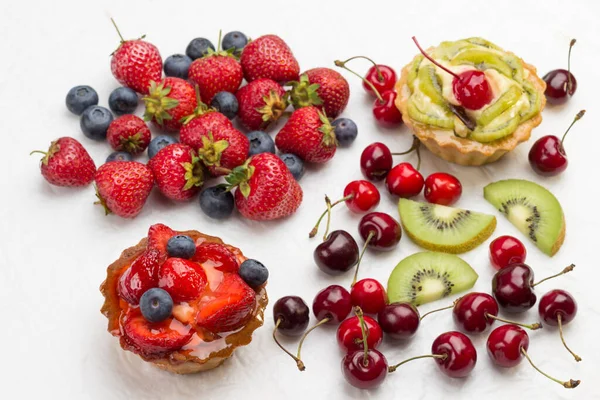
(399, 321)
(376, 159)
(380, 76)
(404, 180)
(560, 83)
(291, 315)
(557, 308)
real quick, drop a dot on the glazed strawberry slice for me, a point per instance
(183, 279)
(219, 257)
(155, 337)
(230, 309)
(140, 276)
(158, 236)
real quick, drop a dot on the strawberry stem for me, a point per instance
(118, 31)
(342, 64)
(427, 56)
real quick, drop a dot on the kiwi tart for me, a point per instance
(470, 137)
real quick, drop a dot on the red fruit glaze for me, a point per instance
(177, 171)
(557, 302)
(349, 334)
(333, 90)
(183, 279)
(261, 102)
(507, 250)
(399, 320)
(470, 312)
(472, 89)
(67, 163)
(218, 255)
(334, 303)
(135, 64)
(158, 237)
(365, 375)
(181, 101)
(461, 355)
(505, 343)
(270, 57)
(215, 73)
(386, 113)
(387, 231)
(442, 188)
(365, 196)
(404, 181)
(128, 133)
(369, 295)
(376, 161)
(151, 339)
(140, 276)
(387, 82)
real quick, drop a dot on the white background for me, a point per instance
(55, 245)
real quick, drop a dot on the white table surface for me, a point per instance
(55, 244)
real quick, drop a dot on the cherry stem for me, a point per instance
(533, 327)
(328, 203)
(362, 253)
(315, 229)
(570, 384)
(427, 56)
(299, 362)
(564, 271)
(379, 74)
(119, 32)
(579, 115)
(439, 309)
(416, 144)
(560, 330)
(569, 83)
(365, 331)
(437, 356)
(342, 64)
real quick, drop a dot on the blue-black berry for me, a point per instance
(119, 156)
(158, 143)
(234, 40)
(123, 100)
(198, 48)
(156, 305)
(253, 272)
(177, 65)
(181, 246)
(294, 164)
(81, 97)
(216, 202)
(260, 142)
(95, 121)
(345, 131)
(226, 103)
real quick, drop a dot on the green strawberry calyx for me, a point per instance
(200, 109)
(211, 151)
(158, 103)
(274, 107)
(327, 130)
(102, 202)
(52, 150)
(132, 144)
(194, 173)
(221, 52)
(239, 177)
(303, 93)
(121, 36)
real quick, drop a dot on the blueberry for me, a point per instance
(216, 202)
(234, 40)
(345, 131)
(181, 246)
(95, 121)
(177, 65)
(253, 272)
(198, 48)
(294, 164)
(123, 100)
(158, 143)
(119, 156)
(156, 305)
(260, 142)
(81, 97)
(226, 103)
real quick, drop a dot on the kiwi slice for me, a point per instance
(448, 50)
(483, 59)
(441, 118)
(483, 43)
(429, 276)
(430, 85)
(440, 228)
(535, 102)
(502, 126)
(532, 209)
(504, 102)
(414, 71)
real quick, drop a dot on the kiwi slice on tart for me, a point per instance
(434, 115)
(414, 71)
(428, 276)
(483, 43)
(447, 229)
(535, 101)
(502, 126)
(483, 59)
(532, 209)
(504, 102)
(430, 85)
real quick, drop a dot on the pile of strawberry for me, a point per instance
(210, 145)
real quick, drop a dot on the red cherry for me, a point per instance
(139, 277)
(183, 279)
(507, 250)
(385, 111)
(337, 254)
(560, 83)
(508, 344)
(380, 231)
(349, 334)
(442, 188)
(404, 181)
(376, 161)
(381, 77)
(369, 295)
(399, 320)
(365, 372)
(361, 196)
(547, 156)
(332, 304)
(557, 308)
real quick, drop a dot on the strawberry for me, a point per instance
(200, 125)
(136, 63)
(152, 338)
(218, 255)
(261, 102)
(123, 187)
(168, 102)
(269, 57)
(67, 163)
(230, 308)
(309, 135)
(177, 171)
(128, 133)
(140, 276)
(266, 188)
(183, 279)
(216, 72)
(321, 87)
(223, 150)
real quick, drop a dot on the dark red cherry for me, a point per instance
(385, 111)
(442, 188)
(404, 181)
(365, 372)
(369, 295)
(380, 231)
(376, 161)
(337, 254)
(560, 83)
(507, 250)
(361, 196)
(399, 320)
(557, 308)
(291, 315)
(381, 77)
(350, 336)
(332, 304)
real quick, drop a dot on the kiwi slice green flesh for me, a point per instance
(483, 59)
(441, 119)
(428, 276)
(430, 85)
(532, 209)
(504, 102)
(535, 102)
(447, 229)
(503, 125)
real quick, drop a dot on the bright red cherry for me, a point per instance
(560, 83)
(365, 372)
(442, 188)
(508, 344)
(453, 352)
(547, 156)
(557, 308)
(369, 295)
(382, 77)
(470, 88)
(404, 181)
(376, 161)
(507, 250)
(385, 111)
(380, 231)
(399, 320)
(349, 334)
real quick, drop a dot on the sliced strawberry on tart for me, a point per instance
(184, 301)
